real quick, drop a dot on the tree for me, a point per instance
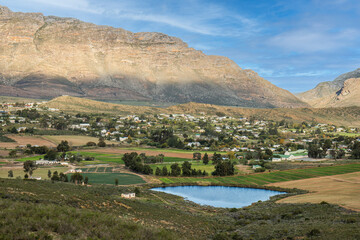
(51, 155)
(101, 142)
(12, 153)
(60, 125)
(86, 180)
(76, 178)
(63, 146)
(157, 171)
(197, 156)
(10, 174)
(224, 168)
(205, 159)
(90, 144)
(55, 176)
(175, 170)
(164, 171)
(147, 170)
(49, 174)
(186, 169)
(231, 155)
(217, 158)
(63, 177)
(29, 167)
(137, 191)
(116, 181)
(13, 130)
(355, 150)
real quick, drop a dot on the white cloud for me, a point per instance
(314, 40)
(192, 16)
(77, 5)
(195, 16)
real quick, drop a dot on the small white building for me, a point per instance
(128, 195)
(45, 162)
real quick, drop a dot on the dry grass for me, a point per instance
(348, 116)
(40, 172)
(23, 140)
(74, 104)
(343, 190)
(73, 139)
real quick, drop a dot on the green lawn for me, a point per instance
(266, 178)
(32, 158)
(109, 178)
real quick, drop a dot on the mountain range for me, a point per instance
(343, 91)
(47, 56)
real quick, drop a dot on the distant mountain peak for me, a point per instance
(343, 91)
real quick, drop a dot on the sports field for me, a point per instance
(343, 190)
(272, 177)
(109, 178)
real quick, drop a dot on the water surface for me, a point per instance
(219, 196)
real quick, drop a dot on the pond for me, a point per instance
(219, 196)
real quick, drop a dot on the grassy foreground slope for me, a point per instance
(272, 177)
(348, 116)
(45, 210)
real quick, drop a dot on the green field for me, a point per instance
(168, 150)
(102, 157)
(109, 178)
(345, 134)
(196, 165)
(272, 177)
(175, 159)
(97, 170)
(32, 158)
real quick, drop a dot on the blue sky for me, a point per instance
(294, 44)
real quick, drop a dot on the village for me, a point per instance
(244, 138)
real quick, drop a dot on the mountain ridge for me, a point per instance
(48, 56)
(332, 93)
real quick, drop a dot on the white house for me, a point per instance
(128, 195)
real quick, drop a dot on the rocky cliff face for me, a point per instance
(46, 56)
(342, 92)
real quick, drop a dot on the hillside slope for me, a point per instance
(347, 116)
(46, 56)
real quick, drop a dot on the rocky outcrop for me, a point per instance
(46, 56)
(342, 92)
(348, 95)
